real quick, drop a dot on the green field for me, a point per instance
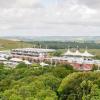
(9, 44)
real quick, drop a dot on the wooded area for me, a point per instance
(48, 83)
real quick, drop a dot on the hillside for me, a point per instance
(10, 44)
(56, 38)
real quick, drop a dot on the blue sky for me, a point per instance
(49, 17)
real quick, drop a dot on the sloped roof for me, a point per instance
(77, 53)
(68, 53)
(87, 54)
(2, 59)
(16, 59)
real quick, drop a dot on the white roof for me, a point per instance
(68, 53)
(77, 53)
(86, 54)
(41, 55)
(27, 62)
(2, 59)
(43, 64)
(39, 50)
(16, 60)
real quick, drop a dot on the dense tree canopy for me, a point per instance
(80, 86)
(63, 45)
(48, 83)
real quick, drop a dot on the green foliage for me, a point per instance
(95, 67)
(57, 53)
(48, 83)
(63, 45)
(21, 65)
(97, 57)
(1, 66)
(15, 97)
(35, 65)
(62, 70)
(46, 95)
(80, 86)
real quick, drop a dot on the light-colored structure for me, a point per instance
(80, 61)
(31, 54)
(77, 53)
(5, 54)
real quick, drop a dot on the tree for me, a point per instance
(15, 97)
(46, 94)
(57, 53)
(2, 66)
(21, 65)
(95, 67)
(89, 90)
(50, 81)
(80, 85)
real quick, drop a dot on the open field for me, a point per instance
(8, 44)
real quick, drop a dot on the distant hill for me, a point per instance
(10, 44)
(56, 38)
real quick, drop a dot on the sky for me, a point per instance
(49, 17)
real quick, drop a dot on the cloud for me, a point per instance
(95, 4)
(6, 3)
(56, 17)
(35, 4)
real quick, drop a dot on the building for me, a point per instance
(31, 54)
(79, 61)
(77, 53)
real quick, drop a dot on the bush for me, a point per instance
(21, 65)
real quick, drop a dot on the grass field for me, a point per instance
(9, 44)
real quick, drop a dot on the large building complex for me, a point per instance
(79, 61)
(31, 54)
